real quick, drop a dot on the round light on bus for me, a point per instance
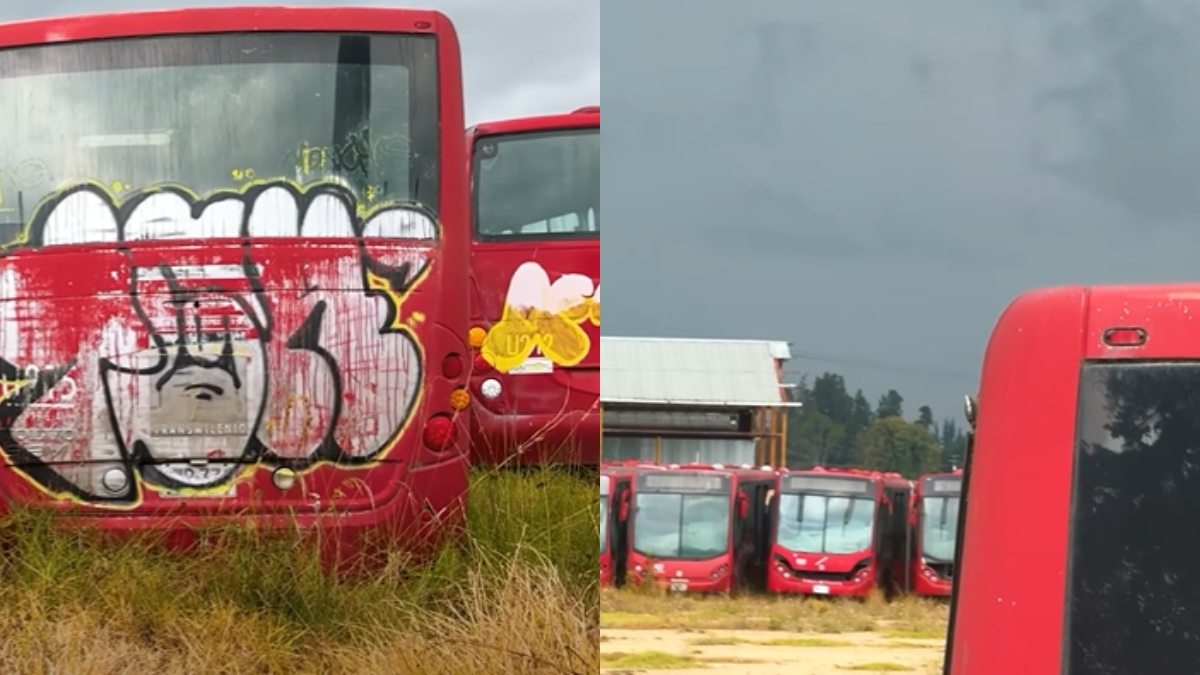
(115, 481)
(481, 363)
(460, 399)
(439, 433)
(475, 336)
(490, 388)
(452, 366)
(284, 478)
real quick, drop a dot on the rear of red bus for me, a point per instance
(234, 286)
(1088, 402)
(935, 518)
(535, 298)
(837, 532)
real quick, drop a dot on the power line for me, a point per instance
(881, 366)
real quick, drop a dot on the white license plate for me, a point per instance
(679, 586)
(821, 589)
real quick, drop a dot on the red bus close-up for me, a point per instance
(1088, 402)
(840, 532)
(935, 532)
(535, 292)
(234, 283)
(700, 528)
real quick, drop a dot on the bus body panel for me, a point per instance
(931, 576)
(1012, 580)
(1089, 567)
(843, 573)
(96, 326)
(548, 410)
(741, 565)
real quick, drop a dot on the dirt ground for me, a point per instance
(741, 652)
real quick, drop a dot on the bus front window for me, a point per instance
(939, 526)
(681, 526)
(825, 524)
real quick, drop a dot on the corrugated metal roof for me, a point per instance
(691, 371)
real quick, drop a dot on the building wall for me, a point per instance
(677, 450)
(684, 435)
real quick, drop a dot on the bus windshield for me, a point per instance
(939, 527)
(811, 523)
(538, 184)
(681, 526)
(215, 112)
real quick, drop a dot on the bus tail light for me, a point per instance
(1125, 337)
(460, 399)
(452, 366)
(476, 336)
(439, 433)
(481, 364)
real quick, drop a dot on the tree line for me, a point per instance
(835, 428)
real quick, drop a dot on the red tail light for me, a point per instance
(481, 364)
(452, 366)
(439, 433)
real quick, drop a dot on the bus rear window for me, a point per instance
(218, 112)
(543, 184)
(1134, 582)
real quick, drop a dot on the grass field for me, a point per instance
(519, 597)
(647, 630)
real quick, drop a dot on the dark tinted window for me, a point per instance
(1134, 585)
(544, 184)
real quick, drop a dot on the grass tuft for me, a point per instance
(519, 595)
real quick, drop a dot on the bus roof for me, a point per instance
(204, 20)
(586, 117)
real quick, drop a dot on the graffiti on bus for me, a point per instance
(186, 374)
(543, 317)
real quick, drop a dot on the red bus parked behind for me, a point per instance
(616, 485)
(839, 532)
(935, 531)
(535, 299)
(700, 527)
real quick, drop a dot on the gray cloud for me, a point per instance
(522, 57)
(875, 181)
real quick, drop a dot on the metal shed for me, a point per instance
(677, 400)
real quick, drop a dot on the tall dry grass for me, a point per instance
(518, 596)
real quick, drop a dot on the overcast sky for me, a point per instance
(875, 180)
(520, 57)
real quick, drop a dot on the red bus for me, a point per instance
(235, 278)
(1088, 401)
(535, 298)
(616, 484)
(840, 532)
(935, 531)
(700, 527)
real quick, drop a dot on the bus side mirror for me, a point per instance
(743, 504)
(623, 512)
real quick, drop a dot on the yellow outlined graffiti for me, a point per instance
(379, 285)
(542, 315)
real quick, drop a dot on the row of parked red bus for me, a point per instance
(834, 532)
(313, 305)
